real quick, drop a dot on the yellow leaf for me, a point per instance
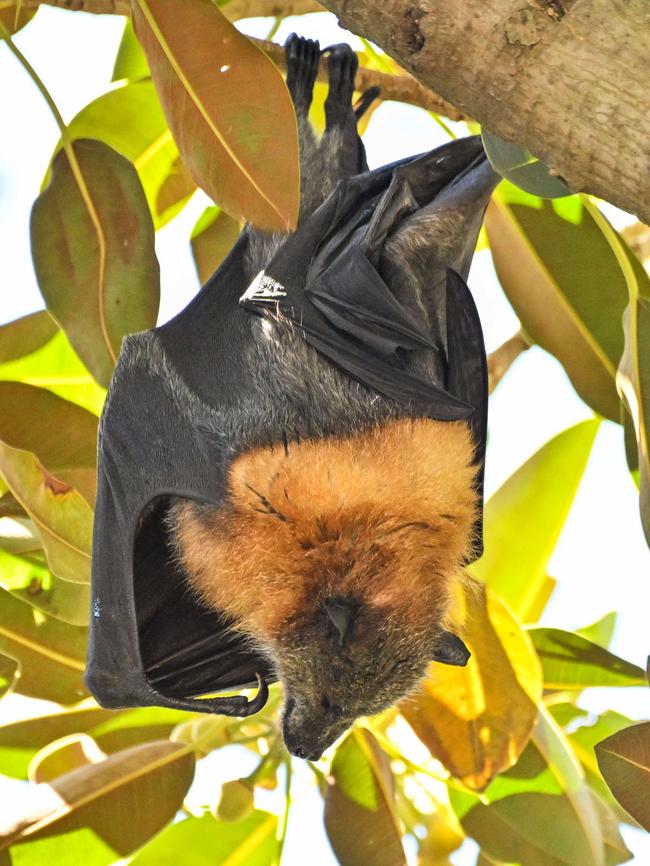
(477, 720)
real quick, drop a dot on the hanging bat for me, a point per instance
(290, 474)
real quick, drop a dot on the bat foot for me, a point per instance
(303, 56)
(342, 68)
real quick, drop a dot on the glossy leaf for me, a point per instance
(8, 673)
(175, 190)
(93, 254)
(27, 578)
(583, 741)
(524, 518)
(51, 653)
(634, 382)
(212, 239)
(545, 789)
(602, 631)
(569, 661)
(63, 436)
(14, 16)
(130, 120)
(63, 519)
(360, 815)
(206, 842)
(56, 367)
(624, 761)
(477, 720)
(633, 375)
(227, 107)
(130, 62)
(25, 335)
(520, 167)
(566, 286)
(112, 730)
(69, 849)
(124, 800)
(616, 851)
(62, 756)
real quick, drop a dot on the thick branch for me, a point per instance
(234, 10)
(567, 80)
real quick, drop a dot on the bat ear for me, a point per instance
(450, 650)
(342, 612)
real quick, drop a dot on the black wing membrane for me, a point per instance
(338, 281)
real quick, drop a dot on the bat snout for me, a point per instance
(307, 737)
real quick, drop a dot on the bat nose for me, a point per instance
(300, 751)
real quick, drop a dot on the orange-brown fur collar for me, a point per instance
(386, 515)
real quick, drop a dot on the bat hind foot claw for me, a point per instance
(342, 68)
(303, 56)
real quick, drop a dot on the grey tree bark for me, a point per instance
(568, 79)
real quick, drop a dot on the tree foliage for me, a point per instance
(511, 760)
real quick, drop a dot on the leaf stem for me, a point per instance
(285, 816)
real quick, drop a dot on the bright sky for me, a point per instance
(601, 561)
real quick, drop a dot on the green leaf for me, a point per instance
(63, 519)
(583, 741)
(519, 166)
(360, 817)
(130, 120)
(212, 239)
(69, 849)
(125, 799)
(28, 579)
(624, 761)
(57, 367)
(225, 116)
(8, 674)
(130, 62)
(51, 653)
(602, 631)
(63, 436)
(633, 379)
(616, 851)
(566, 286)
(207, 842)
(477, 719)
(545, 789)
(113, 730)
(524, 518)
(94, 255)
(633, 375)
(24, 336)
(62, 756)
(569, 661)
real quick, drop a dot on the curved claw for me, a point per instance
(237, 705)
(259, 700)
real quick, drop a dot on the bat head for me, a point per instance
(352, 659)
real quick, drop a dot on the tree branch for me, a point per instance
(500, 361)
(401, 88)
(568, 80)
(234, 10)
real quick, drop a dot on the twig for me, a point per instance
(500, 361)
(400, 88)
(234, 10)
